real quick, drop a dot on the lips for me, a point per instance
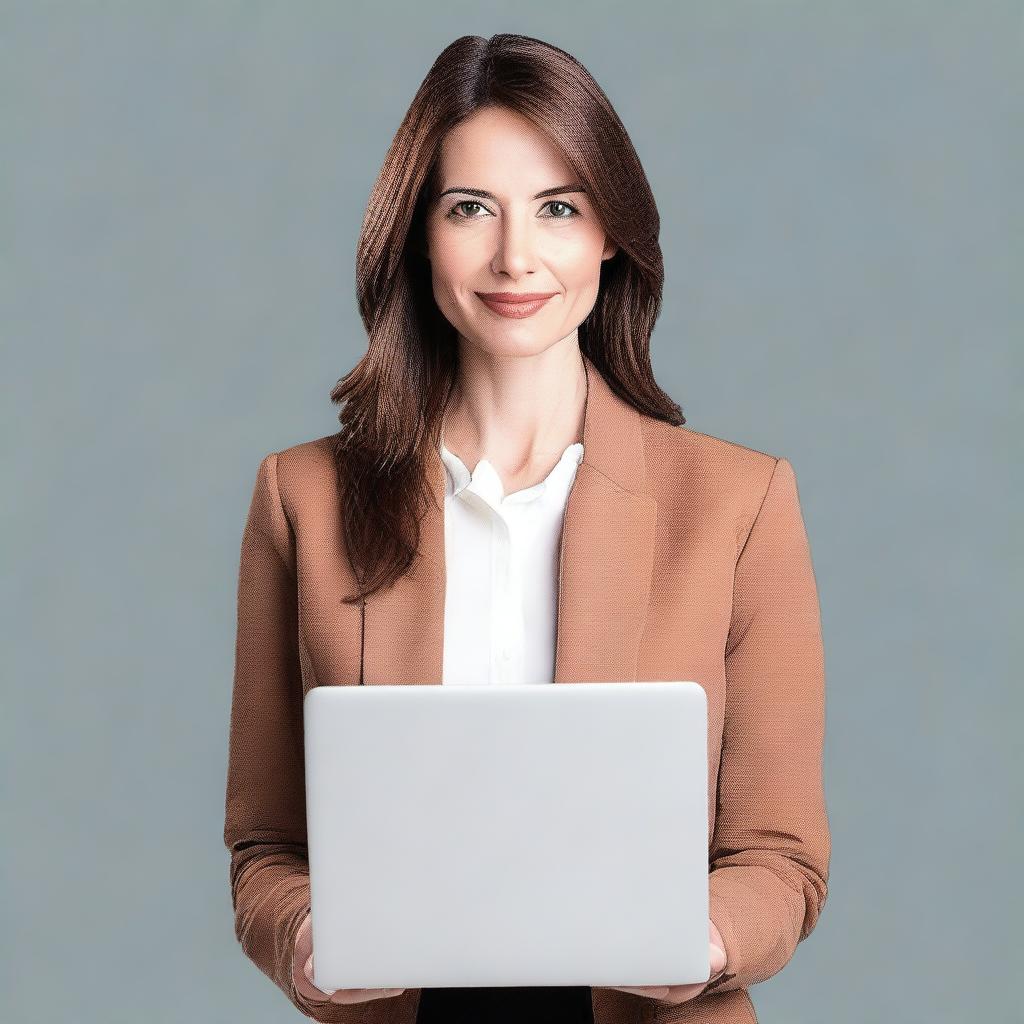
(515, 305)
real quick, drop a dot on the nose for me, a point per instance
(515, 252)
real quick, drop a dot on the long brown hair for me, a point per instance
(395, 396)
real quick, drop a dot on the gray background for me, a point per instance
(182, 188)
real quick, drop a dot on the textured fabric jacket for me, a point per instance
(683, 557)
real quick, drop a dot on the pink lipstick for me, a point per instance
(514, 304)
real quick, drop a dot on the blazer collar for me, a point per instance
(605, 564)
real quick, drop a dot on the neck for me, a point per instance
(516, 411)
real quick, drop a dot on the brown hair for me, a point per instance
(395, 396)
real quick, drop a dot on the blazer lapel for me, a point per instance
(605, 564)
(404, 625)
(607, 549)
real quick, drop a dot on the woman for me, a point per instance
(531, 436)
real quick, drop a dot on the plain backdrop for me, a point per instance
(181, 189)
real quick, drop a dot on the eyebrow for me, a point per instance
(558, 190)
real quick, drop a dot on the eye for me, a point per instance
(465, 202)
(568, 211)
(573, 212)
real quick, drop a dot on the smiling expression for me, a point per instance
(512, 220)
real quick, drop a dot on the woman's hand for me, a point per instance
(302, 975)
(675, 994)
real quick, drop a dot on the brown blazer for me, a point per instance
(683, 557)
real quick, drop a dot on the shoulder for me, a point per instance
(310, 458)
(303, 473)
(695, 476)
(679, 456)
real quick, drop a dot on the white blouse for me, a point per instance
(501, 557)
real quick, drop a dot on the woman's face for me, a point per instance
(511, 218)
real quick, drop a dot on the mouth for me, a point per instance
(515, 305)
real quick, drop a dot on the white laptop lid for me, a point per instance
(508, 835)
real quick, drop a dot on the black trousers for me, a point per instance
(518, 1005)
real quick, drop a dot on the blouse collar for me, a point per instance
(484, 479)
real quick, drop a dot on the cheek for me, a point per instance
(452, 271)
(579, 261)
(453, 258)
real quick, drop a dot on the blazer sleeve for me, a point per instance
(769, 858)
(265, 804)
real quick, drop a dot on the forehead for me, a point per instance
(498, 149)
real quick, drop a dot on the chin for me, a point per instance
(518, 342)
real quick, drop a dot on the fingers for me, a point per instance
(345, 996)
(718, 959)
(681, 993)
(308, 990)
(653, 991)
(671, 994)
(304, 983)
(309, 975)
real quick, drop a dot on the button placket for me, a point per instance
(514, 620)
(512, 526)
(500, 566)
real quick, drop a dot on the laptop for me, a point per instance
(508, 835)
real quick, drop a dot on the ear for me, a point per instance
(610, 249)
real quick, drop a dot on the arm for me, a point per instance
(770, 851)
(265, 805)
